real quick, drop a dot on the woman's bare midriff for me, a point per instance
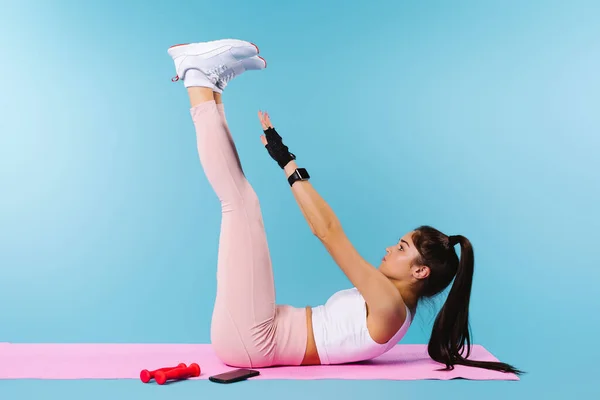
(311, 356)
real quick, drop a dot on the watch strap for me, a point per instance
(300, 174)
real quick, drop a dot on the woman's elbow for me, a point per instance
(328, 230)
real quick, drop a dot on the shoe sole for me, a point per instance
(265, 61)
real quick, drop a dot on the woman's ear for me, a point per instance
(420, 271)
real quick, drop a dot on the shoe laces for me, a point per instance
(226, 77)
(214, 74)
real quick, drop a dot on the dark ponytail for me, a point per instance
(450, 342)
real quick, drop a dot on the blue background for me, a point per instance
(480, 118)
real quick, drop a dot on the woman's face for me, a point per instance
(398, 261)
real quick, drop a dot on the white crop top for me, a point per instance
(341, 333)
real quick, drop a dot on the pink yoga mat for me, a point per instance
(125, 361)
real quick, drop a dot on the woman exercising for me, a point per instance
(249, 330)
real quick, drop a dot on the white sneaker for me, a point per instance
(206, 62)
(238, 68)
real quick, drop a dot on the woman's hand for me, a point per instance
(265, 122)
(274, 143)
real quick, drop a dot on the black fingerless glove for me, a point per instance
(277, 150)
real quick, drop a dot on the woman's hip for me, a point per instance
(281, 340)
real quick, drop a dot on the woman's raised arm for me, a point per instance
(381, 296)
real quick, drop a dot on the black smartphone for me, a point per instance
(234, 376)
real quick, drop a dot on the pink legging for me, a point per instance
(248, 329)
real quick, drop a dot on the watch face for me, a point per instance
(303, 173)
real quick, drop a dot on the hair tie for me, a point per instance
(453, 240)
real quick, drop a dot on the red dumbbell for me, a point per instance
(146, 375)
(177, 374)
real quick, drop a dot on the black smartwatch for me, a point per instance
(300, 174)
